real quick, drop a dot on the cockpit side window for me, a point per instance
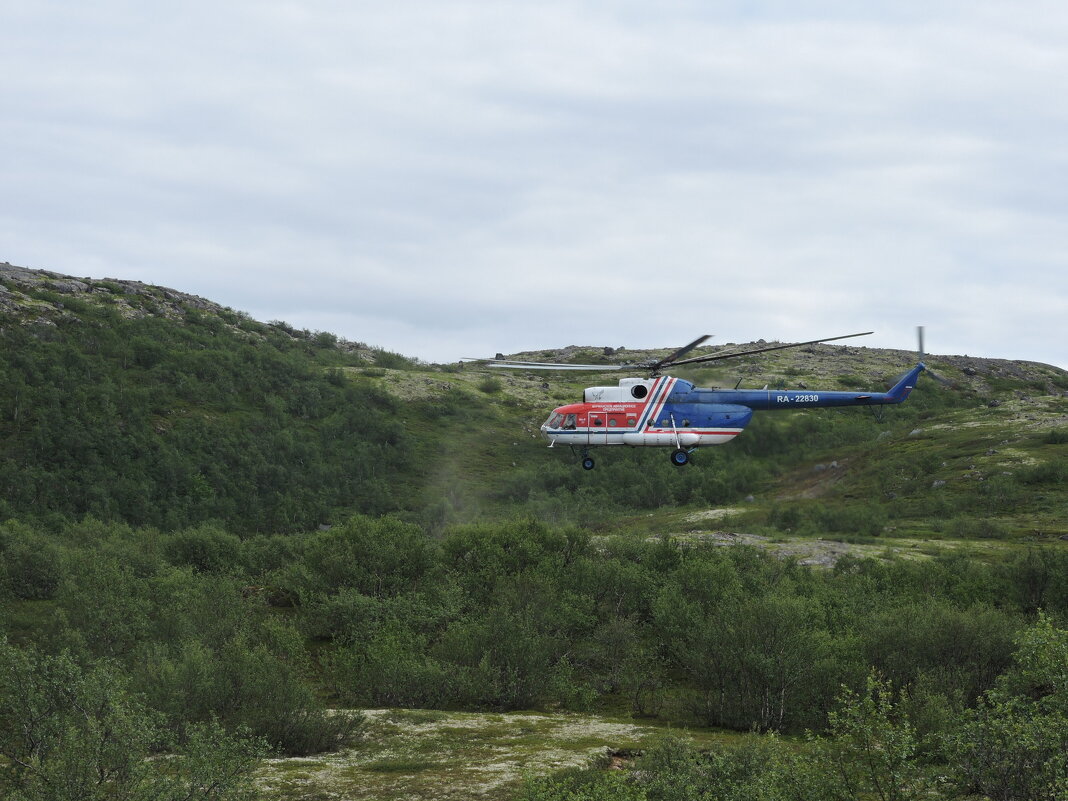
(554, 421)
(569, 421)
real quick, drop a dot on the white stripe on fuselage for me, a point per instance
(652, 409)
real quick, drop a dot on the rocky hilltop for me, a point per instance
(41, 297)
(20, 288)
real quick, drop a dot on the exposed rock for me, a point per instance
(69, 287)
(130, 299)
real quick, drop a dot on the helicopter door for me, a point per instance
(598, 428)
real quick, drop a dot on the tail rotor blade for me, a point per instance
(939, 378)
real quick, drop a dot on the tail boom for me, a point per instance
(772, 399)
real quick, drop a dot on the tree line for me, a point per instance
(206, 633)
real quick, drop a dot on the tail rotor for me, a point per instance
(920, 353)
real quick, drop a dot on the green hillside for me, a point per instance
(223, 540)
(133, 403)
(140, 404)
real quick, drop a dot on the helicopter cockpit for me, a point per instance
(559, 420)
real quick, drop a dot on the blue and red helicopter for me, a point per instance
(661, 411)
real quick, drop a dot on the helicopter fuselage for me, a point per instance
(672, 412)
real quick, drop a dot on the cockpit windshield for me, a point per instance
(558, 420)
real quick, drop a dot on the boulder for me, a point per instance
(70, 286)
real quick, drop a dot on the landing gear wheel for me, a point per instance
(587, 463)
(680, 457)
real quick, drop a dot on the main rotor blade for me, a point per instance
(678, 354)
(508, 364)
(737, 353)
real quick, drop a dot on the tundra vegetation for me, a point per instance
(221, 539)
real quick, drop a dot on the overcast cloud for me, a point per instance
(447, 179)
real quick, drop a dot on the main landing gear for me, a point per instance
(680, 457)
(587, 460)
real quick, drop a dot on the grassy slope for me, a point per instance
(962, 462)
(958, 462)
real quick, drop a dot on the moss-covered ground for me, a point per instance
(429, 754)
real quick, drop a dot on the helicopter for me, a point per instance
(661, 411)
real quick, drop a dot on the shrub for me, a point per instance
(78, 732)
(863, 520)
(1014, 744)
(31, 567)
(1057, 436)
(1052, 472)
(207, 549)
(390, 360)
(490, 385)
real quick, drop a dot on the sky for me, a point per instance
(448, 179)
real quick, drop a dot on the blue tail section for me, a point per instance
(900, 391)
(783, 399)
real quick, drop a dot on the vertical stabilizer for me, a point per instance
(900, 391)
